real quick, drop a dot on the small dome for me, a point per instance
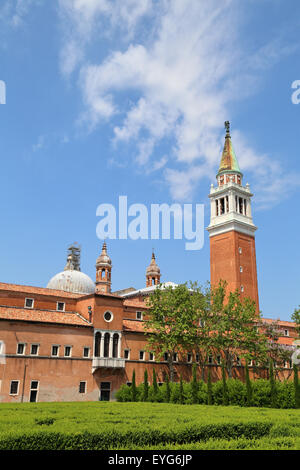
(152, 269)
(103, 259)
(72, 281)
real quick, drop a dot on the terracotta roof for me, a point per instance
(289, 324)
(42, 316)
(134, 326)
(38, 290)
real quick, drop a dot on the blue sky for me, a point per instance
(108, 98)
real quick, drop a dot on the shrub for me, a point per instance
(209, 389)
(145, 387)
(124, 393)
(237, 392)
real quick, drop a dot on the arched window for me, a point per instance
(115, 345)
(97, 344)
(106, 344)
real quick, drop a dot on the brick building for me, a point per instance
(76, 340)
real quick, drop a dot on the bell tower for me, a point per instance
(152, 273)
(231, 229)
(103, 272)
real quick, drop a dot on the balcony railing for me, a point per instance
(108, 362)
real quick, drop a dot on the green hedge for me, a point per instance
(50, 440)
(237, 393)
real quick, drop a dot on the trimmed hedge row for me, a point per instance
(51, 440)
(236, 393)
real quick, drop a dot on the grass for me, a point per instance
(107, 425)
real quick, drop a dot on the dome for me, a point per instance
(74, 281)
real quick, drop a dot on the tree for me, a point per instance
(146, 386)
(209, 389)
(272, 385)
(194, 385)
(225, 389)
(296, 318)
(197, 338)
(278, 353)
(235, 327)
(296, 387)
(133, 387)
(248, 385)
(181, 397)
(155, 386)
(169, 319)
(168, 390)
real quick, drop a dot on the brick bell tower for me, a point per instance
(231, 229)
(103, 272)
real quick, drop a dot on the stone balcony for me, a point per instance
(107, 362)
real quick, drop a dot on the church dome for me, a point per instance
(72, 281)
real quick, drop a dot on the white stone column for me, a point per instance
(249, 214)
(102, 345)
(119, 345)
(231, 202)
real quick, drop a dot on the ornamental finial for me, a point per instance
(227, 127)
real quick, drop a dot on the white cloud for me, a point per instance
(184, 74)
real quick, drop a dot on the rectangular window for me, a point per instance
(34, 349)
(126, 353)
(142, 355)
(139, 315)
(33, 391)
(21, 348)
(68, 351)
(197, 357)
(55, 350)
(210, 359)
(82, 387)
(175, 357)
(241, 269)
(218, 360)
(166, 356)
(286, 332)
(86, 352)
(151, 356)
(189, 357)
(60, 306)
(14, 387)
(238, 361)
(29, 303)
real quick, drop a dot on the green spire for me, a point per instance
(228, 160)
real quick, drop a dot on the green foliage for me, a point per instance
(248, 385)
(209, 389)
(133, 387)
(181, 395)
(167, 389)
(225, 400)
(272, 385)
(194, 385)
(107, 425)
(296, 387)
(145, 387)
